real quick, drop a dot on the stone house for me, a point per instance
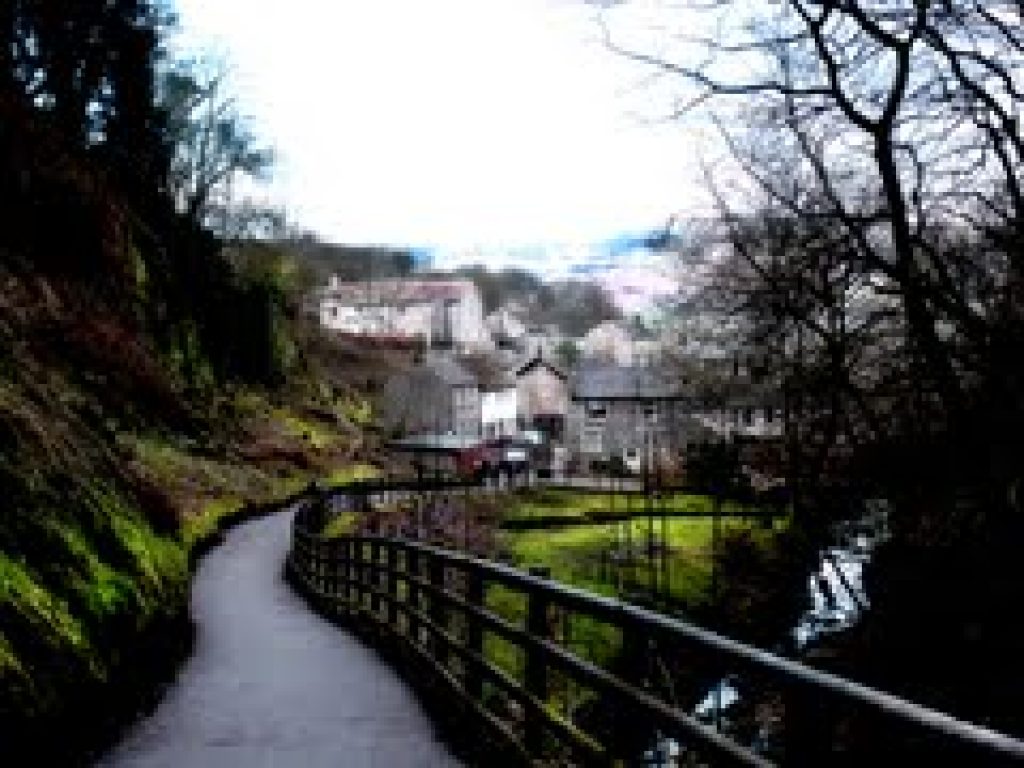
(627, 413)
(439, 396)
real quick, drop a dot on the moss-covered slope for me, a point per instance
(112, 473)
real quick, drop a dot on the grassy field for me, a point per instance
(554, 505)
(577, 546)
(582, 554)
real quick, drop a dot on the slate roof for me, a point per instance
(609, 382)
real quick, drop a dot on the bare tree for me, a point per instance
(872, 228)
(895, 127)
(211, 143)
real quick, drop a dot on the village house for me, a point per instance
(749, 417)
(506, 328)
(439, 396)
(440, 313)
(626, 413)
(543, 340)
(543, 398)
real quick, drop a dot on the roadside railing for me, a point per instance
(565, 676)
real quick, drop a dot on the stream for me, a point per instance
(836, 602)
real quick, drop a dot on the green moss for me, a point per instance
(358, 411)
(48, 615)
(101, 589)
(318, 436)
(342, 525)
(285, 487)
(173, 464)
(199, 527)
(8, 661)
(352, 472)
(160, 562)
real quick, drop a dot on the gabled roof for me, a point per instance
(538, 361)
(609, 382)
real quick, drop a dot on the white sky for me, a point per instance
(459, 124)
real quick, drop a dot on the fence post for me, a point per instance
(392, 579)
(335, 573)
(359, 558)
(318, 571)
(374, 577)
(412, 567)
(351, 592)
(536, 672)
(340, 573)
(627, 740)
(474, 633)
(437, 608)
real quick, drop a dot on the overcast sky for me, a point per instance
(466, 125)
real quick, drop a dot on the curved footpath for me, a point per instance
(270, 683)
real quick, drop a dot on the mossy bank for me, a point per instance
(105, 504)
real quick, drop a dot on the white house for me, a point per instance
(443, 313)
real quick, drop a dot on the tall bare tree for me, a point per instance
(212, 145)
(872, 237)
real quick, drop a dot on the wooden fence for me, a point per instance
(439, 607)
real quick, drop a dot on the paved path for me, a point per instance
(272, 684)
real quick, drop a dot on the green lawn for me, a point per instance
(573, 553)
(585, 554)
(558, 504)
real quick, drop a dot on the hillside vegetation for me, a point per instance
(152, 386)
(114, 471)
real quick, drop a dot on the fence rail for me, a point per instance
(442, 609)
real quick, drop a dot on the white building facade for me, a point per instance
(441, 313)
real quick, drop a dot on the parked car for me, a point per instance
(479, 461)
